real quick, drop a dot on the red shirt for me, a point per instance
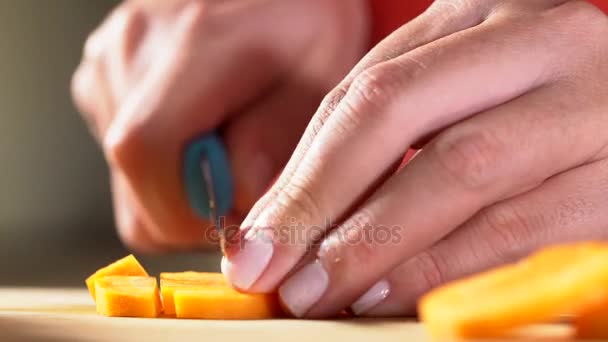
(388, 15)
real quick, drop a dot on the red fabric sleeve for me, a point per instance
(388, 15)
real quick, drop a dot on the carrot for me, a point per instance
(127, 266)
(170, 282)
(127, 296)
(194, 277)
(224, 302)
(124, 289)
(593, 322)
(557, 280)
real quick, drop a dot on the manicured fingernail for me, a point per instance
(208, 149)
(372, 297)
(300, 292)
(245, 267)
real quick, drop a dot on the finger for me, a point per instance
(568, 207)
(146, 142)
(438, 21)
(125, 33)
(91, 97)
(131, 228)
(379, 113)
(98, 84)
(441, 19)
(421, 31)
(488, 158)
(261, 140)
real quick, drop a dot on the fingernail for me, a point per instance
(300, 292)
(245, 267)
(208, 148)
(372, 297)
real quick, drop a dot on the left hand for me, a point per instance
(509, 100)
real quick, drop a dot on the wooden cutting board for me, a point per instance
(69, 315)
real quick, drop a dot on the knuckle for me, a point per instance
(123, 146)
(453, 6)
(506, 228)
(124, 25)
(583, 22)
(80, 87)
(431, 268)
(199, 21)
(122, 16)
(373, 87)
(93, 45)
(298, 202)
(351, 240)
(357, 232)
(471, 159)
(369, 95)
(128, 28)
(327, 108)
(574, 212)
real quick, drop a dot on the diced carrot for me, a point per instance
(127, 296)
(557, 280)
(170, 282)
(593, 323)
(217, 302)
(193, 276)
(127, 266)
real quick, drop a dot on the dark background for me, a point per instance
(56, 223)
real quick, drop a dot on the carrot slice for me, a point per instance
(194, 276)
(557, 280)
(170, 282)
(127, 266)
(593, 322)
(127, 296)
(224, 302)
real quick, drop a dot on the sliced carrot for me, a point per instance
(127, 266)
(224, 302)
(127, 296)
(593, 322)
(170, 282)
(562, 279)
(196, 277)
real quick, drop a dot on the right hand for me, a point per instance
(156, 74)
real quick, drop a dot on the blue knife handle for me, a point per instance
(211, 148)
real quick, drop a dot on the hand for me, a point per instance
(509, 102)
(157, 74)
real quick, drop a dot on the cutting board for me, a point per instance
(69, 315)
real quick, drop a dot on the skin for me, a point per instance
(507, 100)
(157, 74)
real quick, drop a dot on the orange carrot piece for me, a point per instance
(217, 302)
(194, 276)
(127, 296)
(170, 282)
(127, 266)
(593, 322)
(557, 280)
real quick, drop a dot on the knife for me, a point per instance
(208, 181)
